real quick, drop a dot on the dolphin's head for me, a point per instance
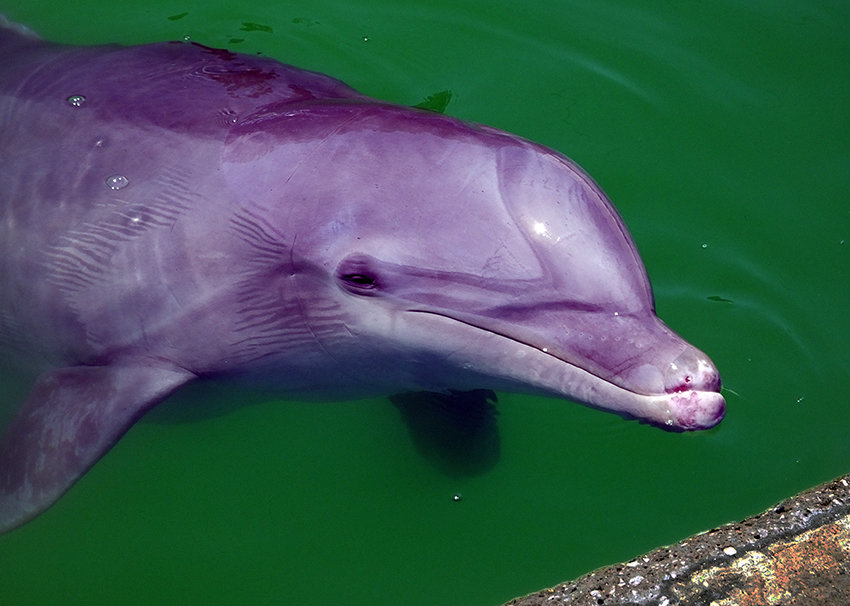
(447, 256)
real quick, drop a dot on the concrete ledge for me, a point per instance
(796, 553)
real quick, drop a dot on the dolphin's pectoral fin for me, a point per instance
(455, 431)
(70, 418)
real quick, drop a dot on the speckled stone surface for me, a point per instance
(796, 553)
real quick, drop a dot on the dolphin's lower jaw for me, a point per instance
(677, 411)
(692, 402)
(685, 410)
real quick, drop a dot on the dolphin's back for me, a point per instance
(106, 151)
(78, 122)
(169, 84)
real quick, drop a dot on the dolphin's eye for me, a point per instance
(357, 275)
(360, 280)
(359, 283)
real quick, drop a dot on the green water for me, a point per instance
(722, 132)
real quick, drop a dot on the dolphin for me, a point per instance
(173, 212)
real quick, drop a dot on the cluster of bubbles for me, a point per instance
(112, 181)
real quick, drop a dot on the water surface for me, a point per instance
(722, 134)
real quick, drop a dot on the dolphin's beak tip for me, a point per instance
(698, 410)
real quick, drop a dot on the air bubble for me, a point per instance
(76, 100)
(117, 182)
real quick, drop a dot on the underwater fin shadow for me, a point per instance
(457, 431)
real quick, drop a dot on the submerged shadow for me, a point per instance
(204, 400)
(457, 432)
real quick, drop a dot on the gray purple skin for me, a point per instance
(172, 212)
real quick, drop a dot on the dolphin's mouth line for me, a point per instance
(673, 411)
(538, 348)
